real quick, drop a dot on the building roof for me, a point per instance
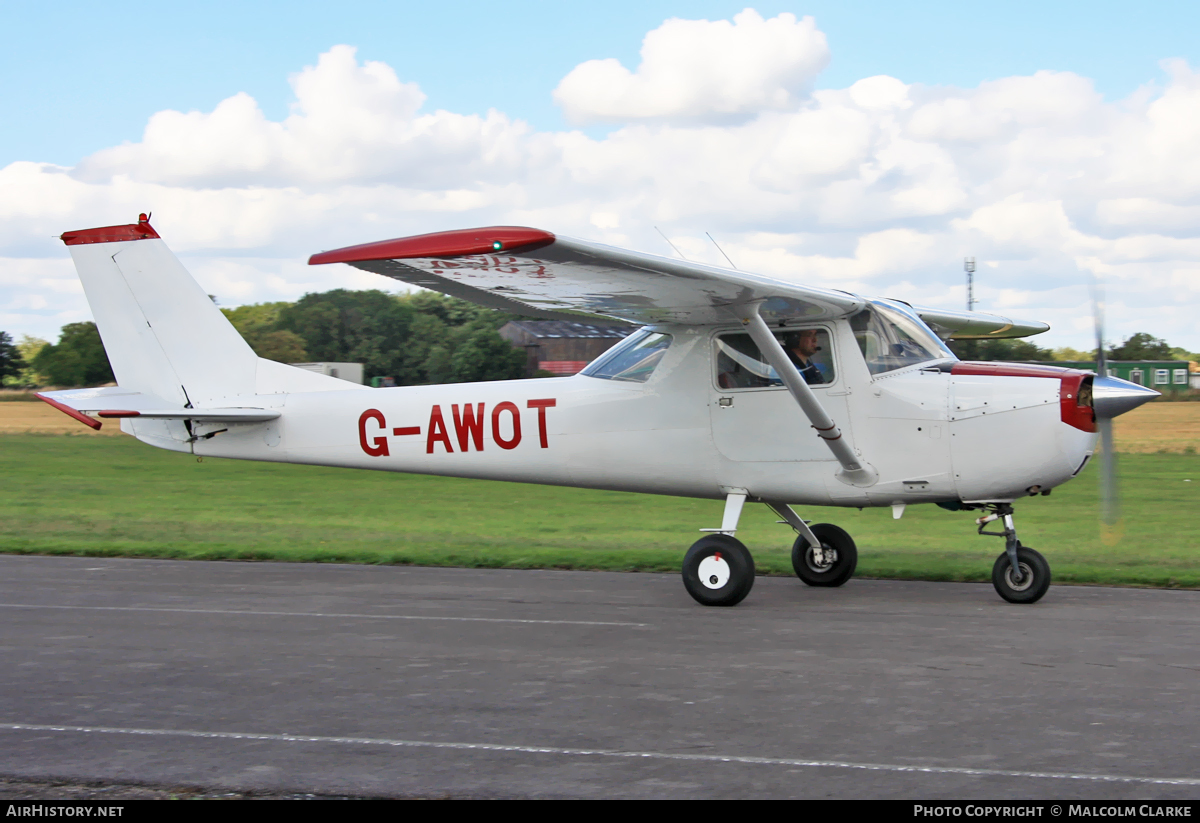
(567, 329)
(1076, 364)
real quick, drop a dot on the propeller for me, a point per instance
(1111, 397)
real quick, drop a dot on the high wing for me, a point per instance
(535, 273)
(973, 325)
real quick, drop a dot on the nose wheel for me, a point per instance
(1034, 577)
(1020, 574)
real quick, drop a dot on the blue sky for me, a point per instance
(78, 76)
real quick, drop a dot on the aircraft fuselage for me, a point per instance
(932, 436)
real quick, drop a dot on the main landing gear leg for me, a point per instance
(1020, 574)
(718, 569)
(823, 555)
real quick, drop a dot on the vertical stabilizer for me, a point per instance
(164, 336)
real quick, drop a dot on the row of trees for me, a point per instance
(1140, 346)
(415, 338)
(78, 359)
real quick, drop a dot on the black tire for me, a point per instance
(725, 585)
(1035, 576)
(822, 571)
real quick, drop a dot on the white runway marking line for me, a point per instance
(321, 614)
(703, 758)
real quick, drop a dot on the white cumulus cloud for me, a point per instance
(697, 70)
(349, 122)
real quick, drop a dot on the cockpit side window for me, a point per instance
(632, 360)
(890, 339)
(740, 364)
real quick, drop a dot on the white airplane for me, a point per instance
(736, 387)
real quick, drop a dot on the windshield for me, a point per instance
(891, 338)
(634, 359)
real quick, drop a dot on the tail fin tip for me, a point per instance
(141, 230)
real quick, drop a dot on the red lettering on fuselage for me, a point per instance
(515, 413)
(469, 419)
(541, 406)
(437, 431)
(468, 426)
(380, 447)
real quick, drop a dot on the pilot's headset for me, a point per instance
(791, 339)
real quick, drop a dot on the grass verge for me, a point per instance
(115, 497)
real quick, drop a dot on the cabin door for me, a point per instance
(754, 417)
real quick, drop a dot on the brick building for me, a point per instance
(562, 347)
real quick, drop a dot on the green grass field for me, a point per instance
(112, 496)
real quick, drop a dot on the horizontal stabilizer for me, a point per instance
(115, 402)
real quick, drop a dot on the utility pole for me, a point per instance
(969, 267)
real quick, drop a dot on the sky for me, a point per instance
(862, 146)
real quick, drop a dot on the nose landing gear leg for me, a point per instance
(1020, 574)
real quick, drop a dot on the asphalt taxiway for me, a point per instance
(401, 681)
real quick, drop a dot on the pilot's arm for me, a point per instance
(811, 374)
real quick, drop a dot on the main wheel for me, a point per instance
(1035, 576)
(830, 564)
(718, 571)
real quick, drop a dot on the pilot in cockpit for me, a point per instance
(800, 347)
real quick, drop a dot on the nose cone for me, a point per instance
(1112, 396)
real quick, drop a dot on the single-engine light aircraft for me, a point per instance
(735, 387)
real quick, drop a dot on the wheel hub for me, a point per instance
(821, 558)
(1026, 578)
(714, 572)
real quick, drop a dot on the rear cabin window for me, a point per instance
(632, 360)
(740, 364)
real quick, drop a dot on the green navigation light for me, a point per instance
(497, 245)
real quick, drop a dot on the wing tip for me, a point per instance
(457, 243)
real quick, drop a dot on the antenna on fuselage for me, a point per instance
(669, 243)
(721, 250)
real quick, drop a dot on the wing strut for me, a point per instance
(854, 472)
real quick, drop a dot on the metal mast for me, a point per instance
(969, 267)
